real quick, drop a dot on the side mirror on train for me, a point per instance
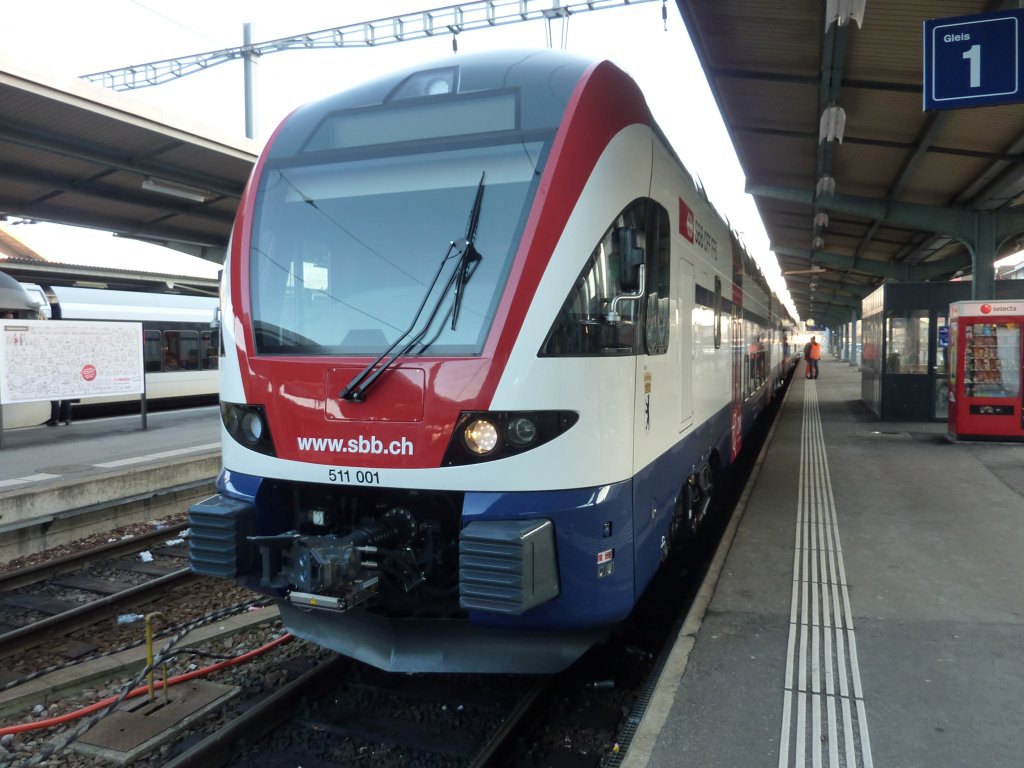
(631, 259)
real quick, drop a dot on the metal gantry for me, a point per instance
(452, 19)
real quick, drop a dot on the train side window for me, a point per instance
(581, 327)
(152, 351)
(658, 284)
(209, 344)
(181, 350)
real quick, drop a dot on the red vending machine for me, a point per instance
(985, 392)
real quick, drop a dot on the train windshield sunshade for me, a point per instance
(427, 119)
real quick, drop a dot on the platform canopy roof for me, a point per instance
(75, 153)
(902, 176)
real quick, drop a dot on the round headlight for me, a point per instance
(252, 427)
(231, 417)
(481, 437)
(521, 431)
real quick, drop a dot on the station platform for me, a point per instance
(866, 605)
(53, 479)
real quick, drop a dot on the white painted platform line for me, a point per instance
(158, 456)
(824, 721)
(27, 479)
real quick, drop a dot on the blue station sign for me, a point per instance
(973, 61)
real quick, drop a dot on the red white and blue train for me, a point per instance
(489, 350)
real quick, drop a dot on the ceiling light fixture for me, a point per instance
(832, 124)
(842, 11)
(174, 189)
(821, 219)
(826, 185)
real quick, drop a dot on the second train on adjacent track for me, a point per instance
(180, 343)
(489, 352)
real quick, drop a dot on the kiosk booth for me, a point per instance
(985, 387)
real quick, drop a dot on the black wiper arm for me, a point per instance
(470, 257)
(357, 388)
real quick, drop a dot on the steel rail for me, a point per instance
(32, 634)
(32, 574)
(219, 747)
(527, 712)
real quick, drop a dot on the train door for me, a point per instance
(738, 344)
(683, 342)
(656, 401)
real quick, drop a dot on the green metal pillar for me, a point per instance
(983, 256)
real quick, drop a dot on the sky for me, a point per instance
(73, 38)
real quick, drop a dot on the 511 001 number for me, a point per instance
(357, 476)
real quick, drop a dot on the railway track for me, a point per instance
(52, 599)
(32, 574)
(345, 713)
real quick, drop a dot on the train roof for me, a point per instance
(105, 304)
(550, 77)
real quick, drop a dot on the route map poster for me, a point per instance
(69, 359)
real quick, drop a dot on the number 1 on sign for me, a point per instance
(973, 55)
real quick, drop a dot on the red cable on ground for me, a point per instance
(49, 723)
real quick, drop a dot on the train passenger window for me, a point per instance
(181, 351)
(581, 326)
(152, 351)
(209, 345)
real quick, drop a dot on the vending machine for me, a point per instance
(985, 362)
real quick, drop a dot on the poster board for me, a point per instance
(69, 359)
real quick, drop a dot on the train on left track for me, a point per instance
(489, 354)
(180, 338)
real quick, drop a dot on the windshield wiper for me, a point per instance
(469, 258)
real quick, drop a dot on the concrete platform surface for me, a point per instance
(44, 454)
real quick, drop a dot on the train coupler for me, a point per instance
(357, 593)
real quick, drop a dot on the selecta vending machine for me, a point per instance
(985, 392)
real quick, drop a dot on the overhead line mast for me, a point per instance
(453, 19)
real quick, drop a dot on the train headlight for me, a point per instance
(231, 416)
(521, 431)
(490, 435)
(252, 427)
(247, 424)
(481, 437)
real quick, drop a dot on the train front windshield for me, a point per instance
(347, 256)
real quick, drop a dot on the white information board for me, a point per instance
(69, 359)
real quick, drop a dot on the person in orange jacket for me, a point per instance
(812, 354)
